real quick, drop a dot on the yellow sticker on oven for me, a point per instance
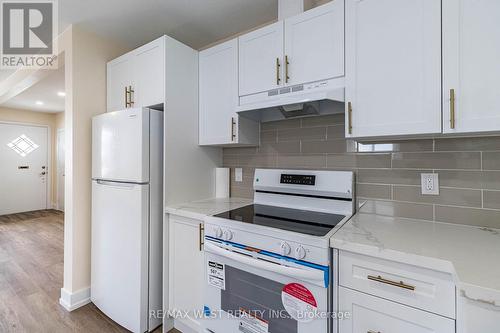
(299, 302)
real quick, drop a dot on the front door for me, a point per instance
(23, 168)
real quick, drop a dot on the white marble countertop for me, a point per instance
(201, 208)
(470, 254)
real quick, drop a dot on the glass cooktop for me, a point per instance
(301, 221)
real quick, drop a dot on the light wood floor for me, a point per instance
(31, 276)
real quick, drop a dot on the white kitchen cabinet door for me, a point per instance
(314, 44)
(219, 124)
(393, 67)
(471, 65)
(119, 77)
(186, 269)
(218, 93)
(149, 74)
(261, 59)
(373, 314)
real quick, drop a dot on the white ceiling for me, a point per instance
(194, 22)
(45, 90)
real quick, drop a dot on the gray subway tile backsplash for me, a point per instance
(437, 160)
(387, 171)
(491, 160)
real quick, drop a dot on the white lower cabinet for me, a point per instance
(370, 314)
(185, 270)
(477, 316)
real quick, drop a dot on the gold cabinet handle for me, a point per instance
(131, 95)
(201, 231)
(126, 97)
(372, 331)
(349, 116)
(287, 77)
(233, 133)
(399, 284)
(452, 108)
(278, 79)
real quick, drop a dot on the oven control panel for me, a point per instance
(298, 179)
(286, 248)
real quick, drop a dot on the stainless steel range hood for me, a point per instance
(314, 99)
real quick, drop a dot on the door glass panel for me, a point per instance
(22, 145)
(258, 295)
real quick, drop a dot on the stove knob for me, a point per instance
(228, 235)
(300, 253)
(285, 249)
(218, 232)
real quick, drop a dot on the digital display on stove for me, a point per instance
(298, 179)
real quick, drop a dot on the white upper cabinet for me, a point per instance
(471, 65)
(149, 77)
(137, 78)
(219, 124)
(304, 48)
(119, 78)
(314, 44)
(218, 93)
(393, 67)
(260, 59)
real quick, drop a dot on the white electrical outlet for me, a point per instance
(238, 174)
(430, 183)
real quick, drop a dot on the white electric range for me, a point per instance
(269, 264)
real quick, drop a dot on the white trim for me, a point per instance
(72, 301)
(58, 133)
(48, 185)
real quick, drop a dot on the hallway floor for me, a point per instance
(31, 276)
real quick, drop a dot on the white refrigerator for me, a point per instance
(127, 200)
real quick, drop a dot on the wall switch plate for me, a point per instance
(430, 183)
(238, 174)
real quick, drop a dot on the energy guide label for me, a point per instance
(216, 275)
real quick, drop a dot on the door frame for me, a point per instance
(48, 184)
(58, 133)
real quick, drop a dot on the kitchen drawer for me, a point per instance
(373, 315)
(414, 286)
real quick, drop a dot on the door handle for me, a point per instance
(126, 97)
(131, 96)
(201, 234)
(287, 77)
(278, 79)
(307, 274)
(233, 123)
(349, 116)
(452, 108)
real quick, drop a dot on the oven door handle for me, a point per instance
(299, 273)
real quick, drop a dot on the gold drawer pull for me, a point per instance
(399, 284)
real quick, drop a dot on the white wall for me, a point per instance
(85, 57)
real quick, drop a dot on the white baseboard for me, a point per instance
(187, 325)
(72, 301)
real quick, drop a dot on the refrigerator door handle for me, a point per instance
(115, 184)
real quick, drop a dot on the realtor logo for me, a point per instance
(28, 32)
